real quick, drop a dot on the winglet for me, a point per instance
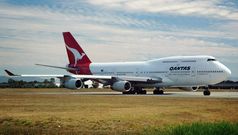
(10, 73)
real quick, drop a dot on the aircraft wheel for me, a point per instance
(139, 90)
(158, 92)
(142, 92)
(206, 93)
(161, 92)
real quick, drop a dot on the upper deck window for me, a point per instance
(211, 59)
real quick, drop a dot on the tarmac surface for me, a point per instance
(166, 94)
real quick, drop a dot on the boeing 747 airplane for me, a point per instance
(184, 72)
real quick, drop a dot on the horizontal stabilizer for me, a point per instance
(67, 68)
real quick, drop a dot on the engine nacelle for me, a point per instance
(195, 88)
(121, 86)
(73, 84)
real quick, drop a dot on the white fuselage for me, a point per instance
(178, 71)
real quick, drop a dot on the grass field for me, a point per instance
(105, 114)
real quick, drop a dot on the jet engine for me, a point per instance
(121, 86)
(73, 84)
(195, 88)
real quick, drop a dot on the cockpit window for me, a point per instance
(211, 59)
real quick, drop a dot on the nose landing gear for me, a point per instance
(206, 92)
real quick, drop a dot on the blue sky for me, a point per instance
(116, 30)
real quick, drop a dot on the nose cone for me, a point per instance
(227, 71)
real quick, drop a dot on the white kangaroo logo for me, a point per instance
(77, 55)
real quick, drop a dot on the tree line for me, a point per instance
(31, 84)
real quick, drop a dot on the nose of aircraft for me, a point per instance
(227, 71)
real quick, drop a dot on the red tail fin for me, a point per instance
(75, 53)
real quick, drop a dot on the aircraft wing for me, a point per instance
(96, 77)
(61, 76)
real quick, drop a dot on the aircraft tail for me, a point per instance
(76, 55)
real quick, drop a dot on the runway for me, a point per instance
(166, 94)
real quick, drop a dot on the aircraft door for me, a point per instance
(173, 74)
(193, 74)
(137, 72)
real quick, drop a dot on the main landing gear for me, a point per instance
(135, 90)
(206, 92)
(158, 91)
(139, 90)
